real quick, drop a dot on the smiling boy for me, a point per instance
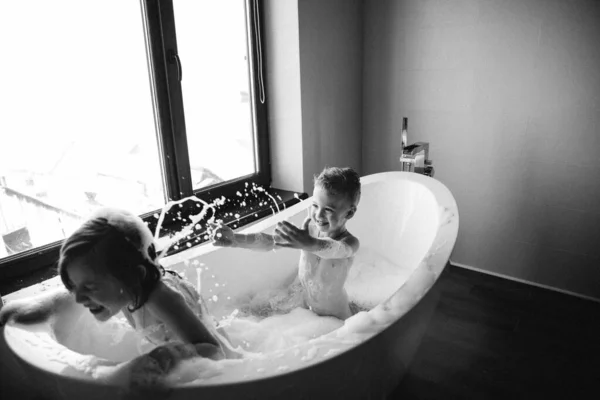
(327, 248)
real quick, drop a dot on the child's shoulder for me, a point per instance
(163, 293)
(348, 235)
(351, 240)
(175, 291)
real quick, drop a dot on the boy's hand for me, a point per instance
(296, 238)
(222, 235)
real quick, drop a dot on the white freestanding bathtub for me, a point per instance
(407, 225)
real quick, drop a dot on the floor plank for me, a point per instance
(492, 338)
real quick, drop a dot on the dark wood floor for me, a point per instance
(491, 338)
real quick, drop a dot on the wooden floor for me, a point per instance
(491, 338)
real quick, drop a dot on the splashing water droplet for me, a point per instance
(237, 215)
(215, 298)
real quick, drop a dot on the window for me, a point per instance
(127, 104)
(211, 42)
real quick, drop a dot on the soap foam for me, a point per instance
(269, 329)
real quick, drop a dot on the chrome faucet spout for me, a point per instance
(416, 148)
(415, 158)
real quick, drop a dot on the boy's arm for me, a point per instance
(327, 248)
(254, 241)
(224, 236)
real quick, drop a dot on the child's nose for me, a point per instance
(80, 298)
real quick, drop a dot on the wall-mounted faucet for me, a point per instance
(415, 157)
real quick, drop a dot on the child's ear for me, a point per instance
(351, 212)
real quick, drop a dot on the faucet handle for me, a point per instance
(429, 171)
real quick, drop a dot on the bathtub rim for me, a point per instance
(440, 192)
(111, 386)
(444, 198)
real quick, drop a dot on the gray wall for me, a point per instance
(282, 50)
(508, 94)
(314, 63)
(331, 60)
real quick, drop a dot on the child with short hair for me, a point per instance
(327, 248)
(109, 265)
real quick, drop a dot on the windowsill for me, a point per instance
(234, 215)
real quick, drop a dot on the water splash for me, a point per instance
(163, 245)
(187, 229)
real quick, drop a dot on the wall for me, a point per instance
(282, 53)
(331, 84)
(314, 88)
(508, 94)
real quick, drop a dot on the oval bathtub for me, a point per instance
(407, 225)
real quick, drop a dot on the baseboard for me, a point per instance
(483, 271)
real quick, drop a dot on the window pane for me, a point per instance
(212, 45)
(76, 121)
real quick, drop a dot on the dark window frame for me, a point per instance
(165, 69)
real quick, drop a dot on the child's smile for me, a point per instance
(94, 289)
(329, 212)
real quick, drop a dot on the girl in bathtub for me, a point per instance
(109, 265)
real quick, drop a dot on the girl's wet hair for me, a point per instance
(345, 181)
(123, 260)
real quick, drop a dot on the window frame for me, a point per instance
(165, 73)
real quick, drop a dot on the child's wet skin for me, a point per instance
(327, 248)
(323, 280)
